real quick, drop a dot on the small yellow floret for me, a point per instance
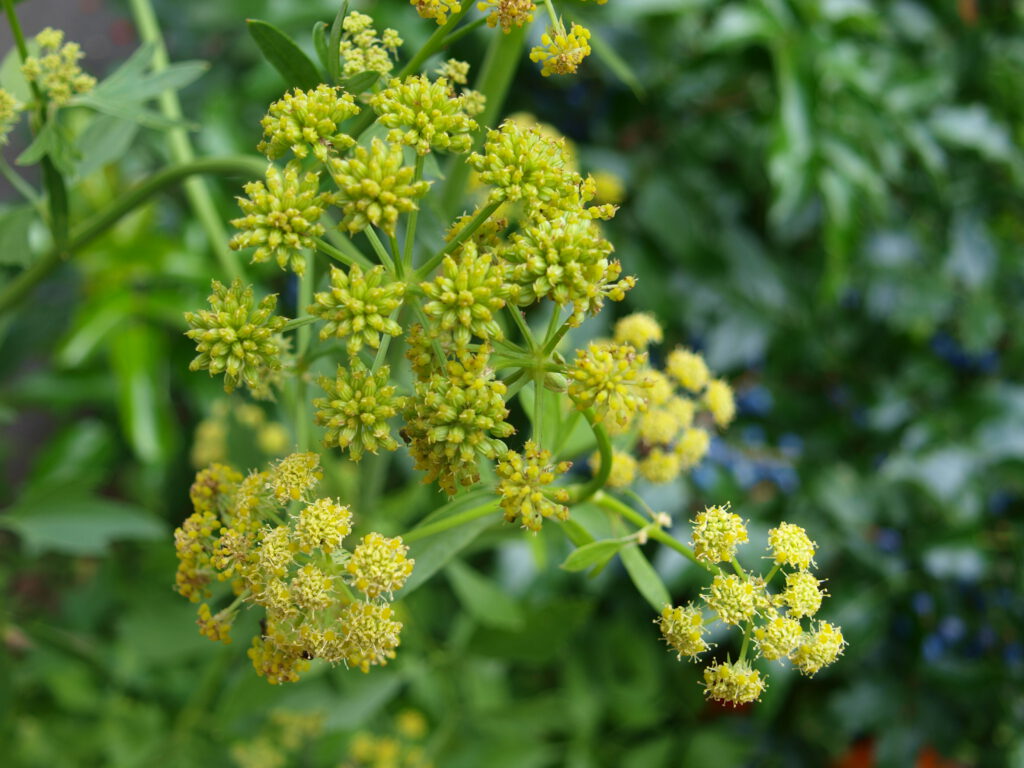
(716, 534)
(719, 400)
(735, 599)
(819, 649)
(683, 629)
(777, 638)
(802, 595)
(733, 683)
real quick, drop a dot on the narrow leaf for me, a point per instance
(645, 578)
(483, 599)
(14, 227)
(597, 553)
(334, 44)
(320, 44)
(284, 55)
(361, 82)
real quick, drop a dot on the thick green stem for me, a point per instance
(464, 234)
(379, 249)
(180, 147)
(583, 492)
(299, 322)
(303, 431)
(446, 524)
(84, 234)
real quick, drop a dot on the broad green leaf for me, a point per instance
(596, 553)
(95, 320)
(132, 111)
(140, 369)
(11, 78)
(645, 578)
(15, 223)
(104, 141)
(144, 87)
(482, 598)
(284, 55)
(80, 455)
(79, 525)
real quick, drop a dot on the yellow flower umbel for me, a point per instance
(719, 400)
(688, 368)
(660, 466)
(819, 648)
(683, 630)
(293, 476)
(281, 217)
(10, 112)
(379, 565)
(55, 71)
(606, 377)
(357, 409)
(522, 479)
(733, 598)
(521, 163)
(437, 10)
(733, 683)
(716, 534)
(790, 545)
(234, 337)
(623, 471)
(778, 637)
(322, 525)
(362, 50)
(802, 595)
(368, 637)
(693, 447)
(561, 52)
(464, 298)
(454, 418)
(507, 13)
(358, 306)
(639, 329)
(374, 187)
(424, 115)
(307, 121)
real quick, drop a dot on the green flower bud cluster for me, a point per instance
(519, 162)
(362, 50)
(608, 378)
(773, 621)
(55, 71)
(358, 306)
(464, 298)
(10, 113)
(357, 409)
(281, 217)
(304, 121)
(454, 418)
(374, 187)
(425, 115)
(297, 572)
(522, 483)
(235, 337)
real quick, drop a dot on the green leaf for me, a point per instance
(139, 361)
(320, 44)
(82, 525)
(360, 82)
(645, 578)
(334, 44)
(144, 87)
(607, 53)
(80, 455)
(284, 55)
(597, 553)
(15, 223)
(93, 324)
(483, 599)
(103, 142)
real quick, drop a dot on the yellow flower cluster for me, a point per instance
(561, 52)
(772, 620)
(55, 70)
(362, 50)
(523, 481)
(290, 563)
(308, 121)
(10, 112)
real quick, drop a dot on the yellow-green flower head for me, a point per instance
(276, 552)
(281, 217)
(693, 447)
(790, 545)
(379, 565)
(308, 120)
(717, 533)
(683, 630)
(234, 337)
(212, 489)
(374, 187)
(322, 525)
(215, 626)
(802, 594)
(437, 10)
(473, 102)
(561, 52)
(777, 638)
(682, 410)
(234, 554)
(312, 589)
(55, 71)
(362, 50)
(639, 329)
(659, 388)
(659, 426)
(465, 297)
(719, 400)
(193, 544)
(819, 649)
(276, 663)
(522, 479)
(520, 162)
(660, 466)
(734, 598)
(566, 259)
(487, 235)
(358, 306)
(610, 189)
(454, 71)
(10, 112)
(688, 368)
(607, 378)
(455, 417)
(623, 471)
(507, 13)
(369, 635)
(424, 115)
(293, 476)
(357, 408)
(733, 683)
(419, 350)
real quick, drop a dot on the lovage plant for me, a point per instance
(436, 312)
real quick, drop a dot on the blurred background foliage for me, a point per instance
(823, 196)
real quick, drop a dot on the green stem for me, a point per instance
(23, 187)
(379, 249)
(180, 147)
(300, 322)
(737, 567)
(551, 13)
(348, 259)
(517, 317)
(454, 37)
(385, 344)
(20, 286)
(446, 524)
(464, 234)
(552, 343)
(771, 574)
(410, 230)
(746, 643)
(399, 264)
(19, 37)
(303, 431)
